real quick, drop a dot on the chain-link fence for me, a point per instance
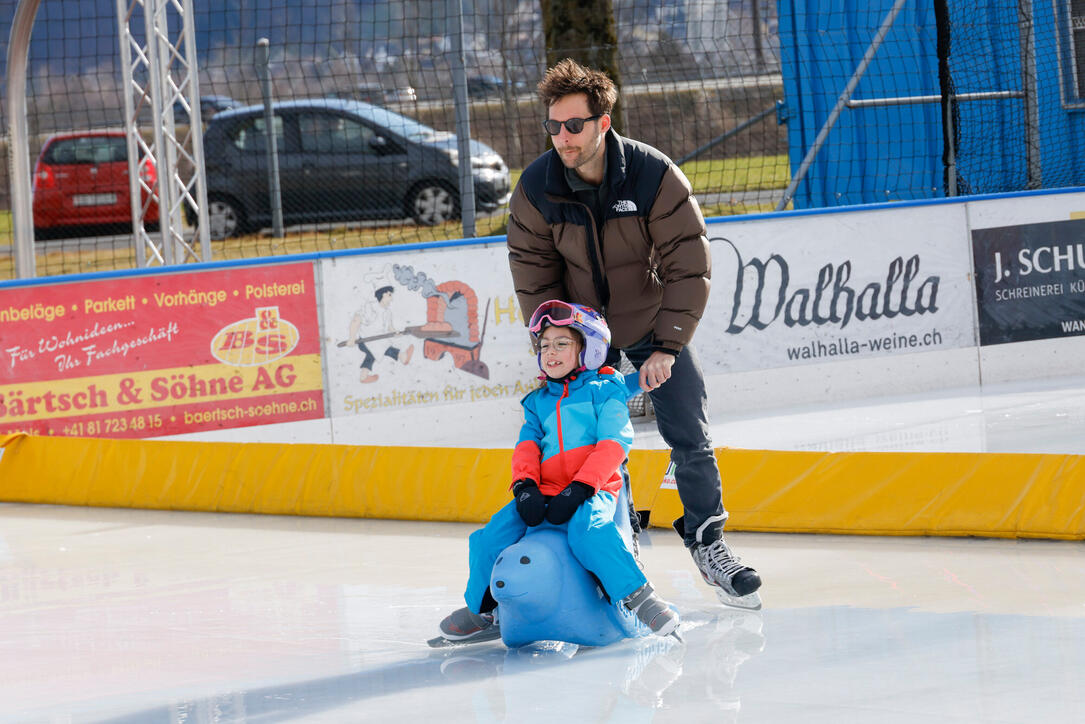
(735, 92)
(693, 72)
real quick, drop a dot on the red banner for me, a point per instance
(161, 355)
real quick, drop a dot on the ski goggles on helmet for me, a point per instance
(556, 312)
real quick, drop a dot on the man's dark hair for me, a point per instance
(568, 77)
(382, 291)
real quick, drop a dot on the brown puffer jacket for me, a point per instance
(654, 275)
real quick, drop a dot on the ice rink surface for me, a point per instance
(146, 616)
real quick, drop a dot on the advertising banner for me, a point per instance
(404, 331)
(829, 288)
(161, 355)
(1030, 281)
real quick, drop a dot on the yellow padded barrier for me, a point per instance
(953, 494)
(330, 480)
(948, 494)
(413, 483)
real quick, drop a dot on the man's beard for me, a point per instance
(582, 157)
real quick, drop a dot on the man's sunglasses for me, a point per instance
(575, 125)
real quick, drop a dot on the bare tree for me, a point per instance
(585, 31)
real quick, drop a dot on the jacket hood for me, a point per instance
(574, 380)
(582, 378)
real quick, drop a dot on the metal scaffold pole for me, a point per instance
(160, 71)
(18, 159)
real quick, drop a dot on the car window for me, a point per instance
(250, 134)
(87, 149)
(331, 133)
(396, 123)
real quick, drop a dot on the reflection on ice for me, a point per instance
(545, 682)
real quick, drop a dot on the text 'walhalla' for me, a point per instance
(831, 300)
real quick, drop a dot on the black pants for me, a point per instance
(681, 407)
(367, 363)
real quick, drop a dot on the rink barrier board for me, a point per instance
(761, 384)
(945, 494)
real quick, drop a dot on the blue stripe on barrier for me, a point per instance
(892, 205)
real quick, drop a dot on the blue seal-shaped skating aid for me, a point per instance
(544, 594)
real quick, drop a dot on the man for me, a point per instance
(612, 223)
(377, 319)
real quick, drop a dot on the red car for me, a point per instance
(81, 181)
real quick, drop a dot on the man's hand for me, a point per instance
(656, 370)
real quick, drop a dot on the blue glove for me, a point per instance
(565, 503)
(530, 502)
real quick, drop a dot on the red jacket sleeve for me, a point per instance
(526, 461)
(601, 464)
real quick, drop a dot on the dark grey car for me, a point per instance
(340, 160)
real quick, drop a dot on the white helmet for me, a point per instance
(591, 325)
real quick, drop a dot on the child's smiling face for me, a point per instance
(559, 351)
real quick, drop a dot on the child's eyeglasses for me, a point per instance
(558, 345)
(575, 125)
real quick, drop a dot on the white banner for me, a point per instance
(406, 330)
(834, 287)
(1032, 208)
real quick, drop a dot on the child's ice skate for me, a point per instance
(653, 611)
(735, 584)
(463, 627)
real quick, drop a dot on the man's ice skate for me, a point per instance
(735, 584)
(463, 627)
(653, 611)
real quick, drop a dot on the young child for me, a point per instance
(565, 469)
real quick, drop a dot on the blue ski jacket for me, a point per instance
(577, 429)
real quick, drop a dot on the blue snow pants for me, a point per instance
(593, 537)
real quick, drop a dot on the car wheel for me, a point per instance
(225, 217)
(433, 203)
